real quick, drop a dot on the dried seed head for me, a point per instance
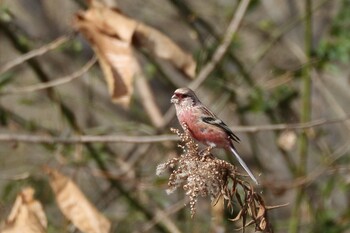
(201, 174)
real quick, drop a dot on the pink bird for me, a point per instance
(204, 126)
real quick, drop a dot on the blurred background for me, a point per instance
(282, 86)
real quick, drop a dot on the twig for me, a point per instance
(296, 126)
(162, 215)
(56, 82)
(34, 53)
(314, 174)
(217, 56)
(85, 139)
(222, 48)
(208, 36)
(154, 138)
(329, 97)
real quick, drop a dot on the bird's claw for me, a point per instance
(206, 151)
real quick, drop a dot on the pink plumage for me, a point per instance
(204, 125)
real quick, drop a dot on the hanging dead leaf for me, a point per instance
(112, 46)
(27, 214)
(75, 206)
(112, 35)
(261, 217)
(163, 47)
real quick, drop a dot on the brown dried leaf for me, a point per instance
(27, 214)
(263, 224)
(110, 35)
(261, 212)
(163, 47)
(75, 206)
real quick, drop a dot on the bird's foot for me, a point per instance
(206, 151)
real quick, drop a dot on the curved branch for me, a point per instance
(34, 53)
(56, 82)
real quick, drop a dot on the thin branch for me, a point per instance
(34, 53)
(223, 47)
(163, 215)
(217, 56)
(154, 138)
(56, 82)
(295, 126)
(314, 174)
(85, 139)
(322, 87)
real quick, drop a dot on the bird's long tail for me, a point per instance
(244, 165)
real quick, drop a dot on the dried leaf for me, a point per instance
(27, 214)
(75, 206)
(112, 35)
(261, 212)
(163, 47)
(263, 224)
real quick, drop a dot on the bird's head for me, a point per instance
(184, 96)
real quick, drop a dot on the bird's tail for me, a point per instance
(240, 160)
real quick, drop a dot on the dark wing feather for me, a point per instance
(217, 122)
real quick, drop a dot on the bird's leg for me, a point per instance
(206, 151)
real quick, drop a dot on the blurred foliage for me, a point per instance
(6, 79)
(336, 46)
(43, 190)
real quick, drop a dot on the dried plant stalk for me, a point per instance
(201, 174)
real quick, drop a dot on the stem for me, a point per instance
(305, 116)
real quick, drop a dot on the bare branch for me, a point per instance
(296, 126)
(34, 53)
(160, 215)
(85, 139)
(156, 138)
(56, 82)
(222, 48)
(314, 174)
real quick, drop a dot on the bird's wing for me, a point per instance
(213, 120)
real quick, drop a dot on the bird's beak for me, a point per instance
(174, 99)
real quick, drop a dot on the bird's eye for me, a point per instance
(181, 96)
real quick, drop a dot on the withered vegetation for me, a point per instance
(202, 174)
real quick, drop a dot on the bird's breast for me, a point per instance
(203, 132)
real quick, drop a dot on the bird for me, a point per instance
(204, 126)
